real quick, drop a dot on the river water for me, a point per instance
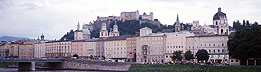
(42, 70)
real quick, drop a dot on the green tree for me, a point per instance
(188, 55)
(177, 55)
(246, 43)
(202, 55)
(69, 36)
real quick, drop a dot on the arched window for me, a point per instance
(216, 22)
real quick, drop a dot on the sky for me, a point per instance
(53, 18)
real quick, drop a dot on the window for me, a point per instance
(232, 60)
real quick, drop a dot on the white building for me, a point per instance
(90, 47)
(39, 49)
(216, 45)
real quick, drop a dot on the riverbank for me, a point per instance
(191, 68)
(3, 65)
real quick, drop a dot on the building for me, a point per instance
(145, 31)
(39, 49)
(81, 34)
(220, 23)
(130, 15)
(175, 41)
(146, 17)
(58, 49)
(150, 48)
(14, 49)
(108, 18)
(131, 48)
(115, 31)
(115, 47)
(26, 50)
(177, 25)
(103, 31)
(195, 25)
(90, 47)
(216, 45)
(4, 49)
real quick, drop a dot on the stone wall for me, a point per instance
(86, 65)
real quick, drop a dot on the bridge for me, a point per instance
(29, 64)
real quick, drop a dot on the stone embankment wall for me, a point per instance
(86, 65)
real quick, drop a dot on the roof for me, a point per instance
(154, 35)
(206, 36)
(85, 40)
(118, 37)
(218, 14)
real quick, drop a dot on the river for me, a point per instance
(43, 70)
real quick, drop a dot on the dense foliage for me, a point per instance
(202, 55)
(69, 36)
(188, 55)
(246, 24)
(246, 43)
(177, 55)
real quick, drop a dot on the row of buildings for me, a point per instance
(148, 47)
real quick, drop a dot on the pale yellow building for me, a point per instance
(58, 49)
(115, 47)
(176, 41)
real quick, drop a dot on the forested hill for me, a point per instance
(130, 27)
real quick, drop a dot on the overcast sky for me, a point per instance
(53, 18)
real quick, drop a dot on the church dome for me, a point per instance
(86, 31)
(115, 26)
(103, 24)
(219, 14)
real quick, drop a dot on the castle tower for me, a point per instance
(177, 24)
(115, 31)
(220, 23)
(103, 31)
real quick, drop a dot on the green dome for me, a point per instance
(103, 24)
(86, 31)
(115, 26)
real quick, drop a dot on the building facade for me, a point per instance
(58, 49)
(26, 50)
(39, 50)
(115, 47)
(131, 48)
(216, 45)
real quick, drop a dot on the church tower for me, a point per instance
(220, 23)
(115, 31)
(103, 31)
(42, 37)
(78, 35)
(177, 24)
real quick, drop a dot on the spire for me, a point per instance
(177, 18)
(78, 26)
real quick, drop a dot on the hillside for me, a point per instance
(12, 38)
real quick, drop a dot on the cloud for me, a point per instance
(30, 18)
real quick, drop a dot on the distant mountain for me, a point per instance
(11, 38)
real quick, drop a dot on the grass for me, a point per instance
(3, 65)
(191, 68)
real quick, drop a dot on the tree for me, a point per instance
(246, 43)
(188, 55)
(68, 36)
(177, 55)
(202, 55)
